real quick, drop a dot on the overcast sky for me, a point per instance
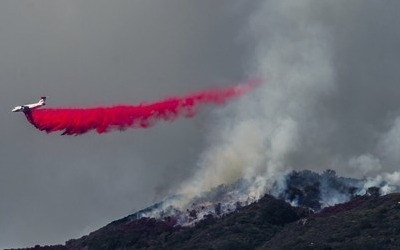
(331, 99)
(52, 187)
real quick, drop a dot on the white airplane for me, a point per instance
(27, 107)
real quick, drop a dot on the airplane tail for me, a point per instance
(43, 100)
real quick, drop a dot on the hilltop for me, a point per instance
(365, 222)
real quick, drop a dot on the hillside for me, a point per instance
(246, 228)
(365, 222)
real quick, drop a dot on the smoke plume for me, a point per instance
(76, 121)
(314, 113)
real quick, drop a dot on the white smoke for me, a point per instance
(388, 149)
(389, 143)
(266, 129)
(365, 164)
(297, 118)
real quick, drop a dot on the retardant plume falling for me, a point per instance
(76, 121)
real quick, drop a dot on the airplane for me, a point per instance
(27, 107)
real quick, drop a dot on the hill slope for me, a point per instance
(366, 222)
(246, 228)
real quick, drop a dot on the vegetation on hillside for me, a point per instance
(370, 221)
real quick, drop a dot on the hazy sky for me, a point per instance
(53, 187)
(331, 99)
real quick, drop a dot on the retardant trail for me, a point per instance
(76, 121)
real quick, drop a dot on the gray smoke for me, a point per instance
(329, 98)
(310, 190)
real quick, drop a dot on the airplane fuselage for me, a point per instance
(25, 108)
